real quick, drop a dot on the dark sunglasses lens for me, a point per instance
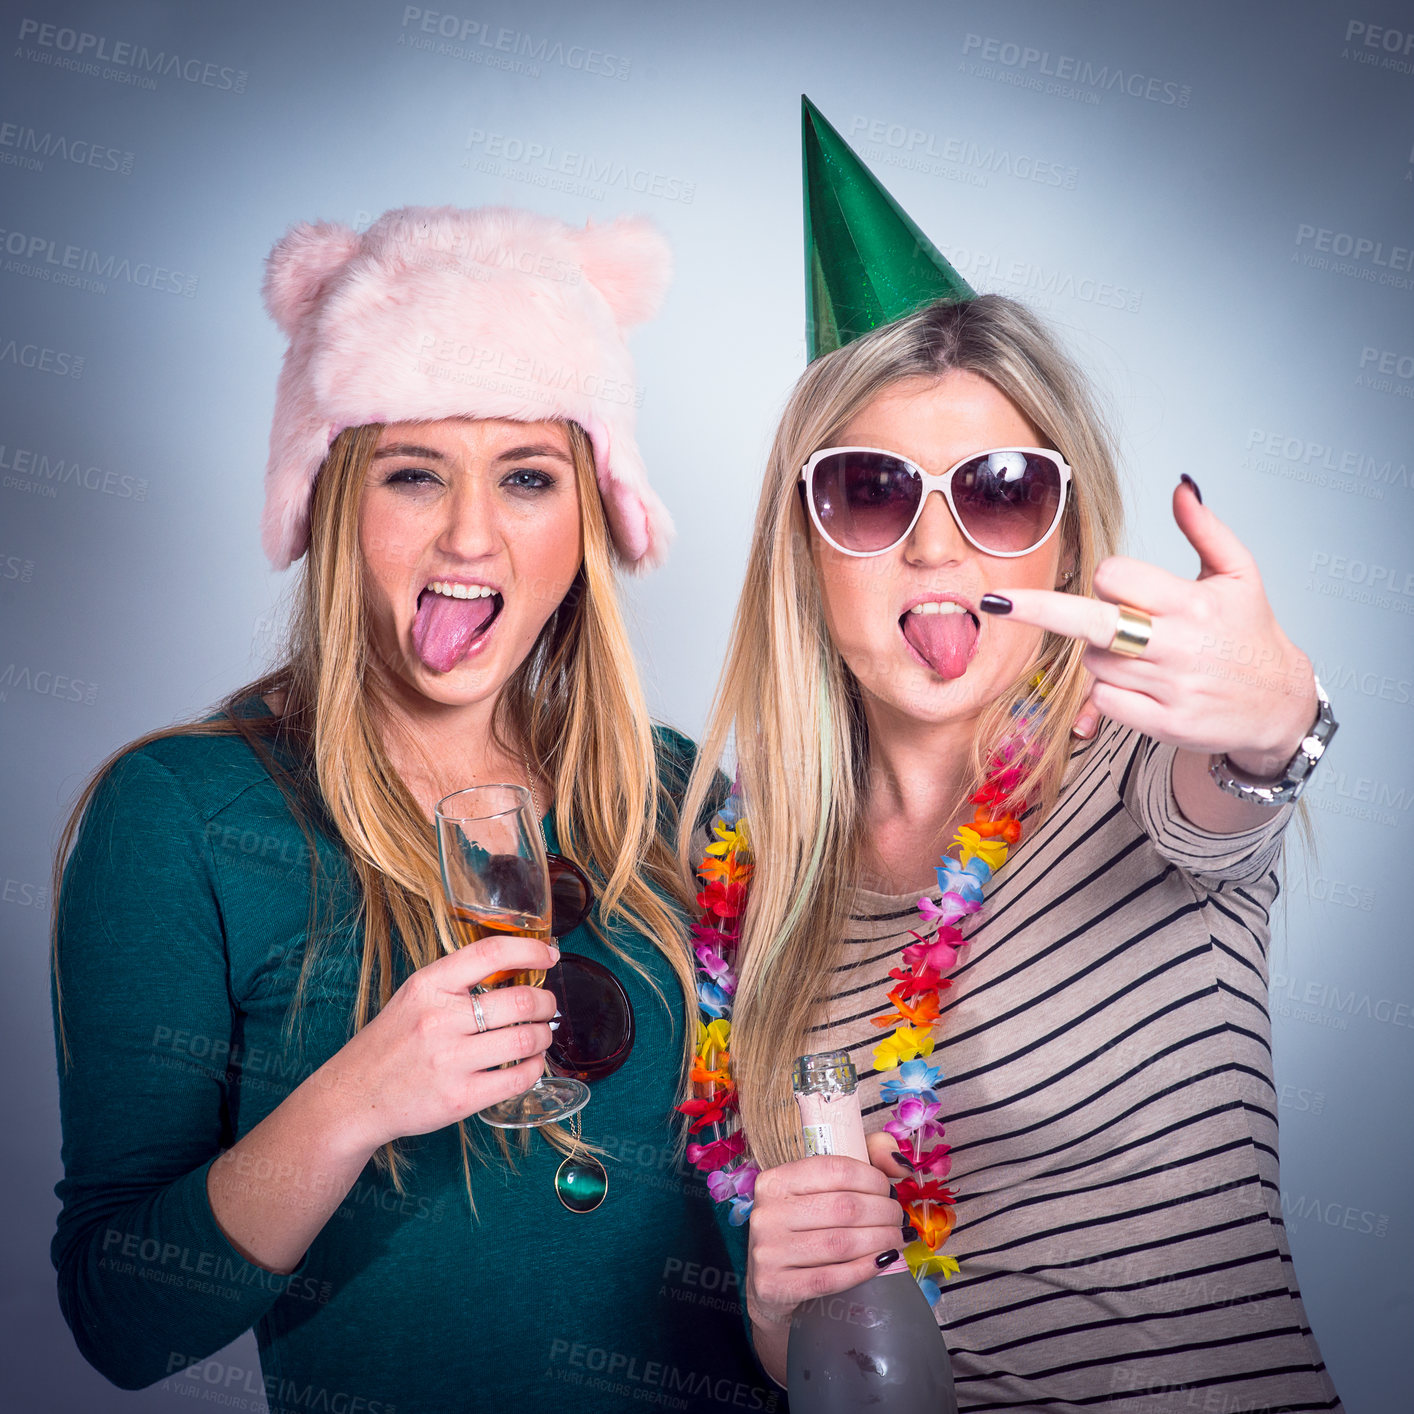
(1007, 501)
(571, 897)
(596, 1018)
(864, 500)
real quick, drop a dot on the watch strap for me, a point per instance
(1289, 785)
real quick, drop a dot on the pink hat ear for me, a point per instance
(300, 266)
(630, 263)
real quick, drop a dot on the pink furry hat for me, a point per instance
(438, 312)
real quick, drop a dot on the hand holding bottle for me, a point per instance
(826, 1286)
(818, 1226)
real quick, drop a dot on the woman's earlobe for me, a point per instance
(1065, 579)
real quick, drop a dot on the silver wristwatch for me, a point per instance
(1298, 769)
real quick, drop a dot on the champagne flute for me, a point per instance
(497, 882)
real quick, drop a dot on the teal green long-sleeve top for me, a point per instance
(184, 921)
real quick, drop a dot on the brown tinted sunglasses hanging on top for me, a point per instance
(596, 1029)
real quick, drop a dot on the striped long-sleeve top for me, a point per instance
(1110, 1105)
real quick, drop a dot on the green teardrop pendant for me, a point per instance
(581, 1183)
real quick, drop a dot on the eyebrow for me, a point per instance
(409, 449)
(538, 449)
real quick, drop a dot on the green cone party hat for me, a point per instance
(866, 263)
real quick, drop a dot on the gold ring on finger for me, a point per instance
(1132, 631)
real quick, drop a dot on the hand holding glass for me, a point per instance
(498, 881)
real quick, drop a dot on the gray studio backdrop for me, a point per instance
(1211, 201)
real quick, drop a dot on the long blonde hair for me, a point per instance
(574, 708)
(801, 740)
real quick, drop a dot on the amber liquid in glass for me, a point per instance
(472, 926)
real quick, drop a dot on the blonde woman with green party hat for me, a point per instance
(1006, 832)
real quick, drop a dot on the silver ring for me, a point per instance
(478, 1013)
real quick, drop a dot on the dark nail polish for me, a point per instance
(995, 604)
(905, 1161)
(1192, 486)
(886, 1259)
(910, 1233)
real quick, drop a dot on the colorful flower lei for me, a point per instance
(978, 850)
(725, 872)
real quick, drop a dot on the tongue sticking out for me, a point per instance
(944, 641)
(444, 628)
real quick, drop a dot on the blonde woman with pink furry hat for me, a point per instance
(269, 1044)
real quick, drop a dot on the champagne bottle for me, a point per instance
(876, 1346)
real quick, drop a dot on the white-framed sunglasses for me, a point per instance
(1007, 501)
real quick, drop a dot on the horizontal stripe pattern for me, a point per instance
(1110, 1104)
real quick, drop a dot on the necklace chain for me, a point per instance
(567, 1166)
